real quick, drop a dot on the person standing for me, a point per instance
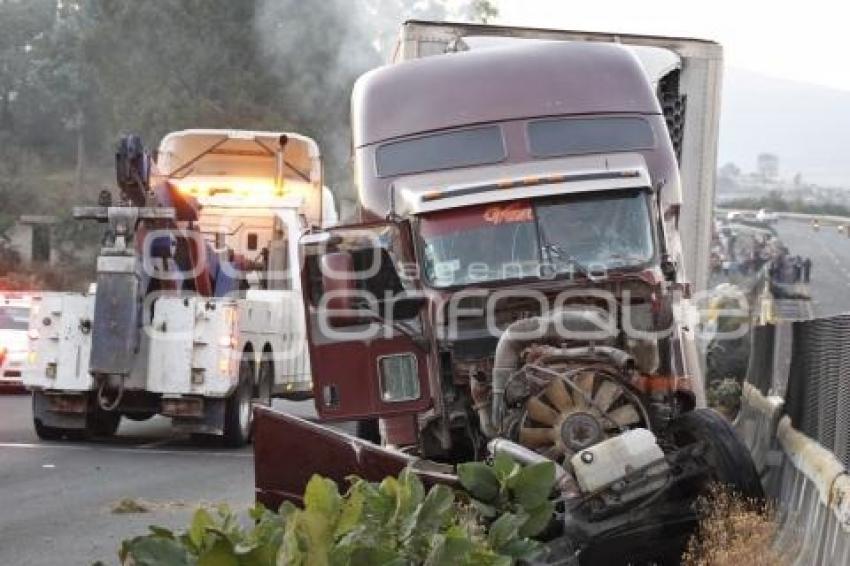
(807, 269)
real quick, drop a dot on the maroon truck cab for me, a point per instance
(477, 174)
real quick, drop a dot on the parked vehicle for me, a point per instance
(518, 282)
(766, 216)
(14, 322)
(196, 313)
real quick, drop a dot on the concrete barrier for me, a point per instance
(810, 485)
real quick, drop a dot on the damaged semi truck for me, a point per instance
(531, 205)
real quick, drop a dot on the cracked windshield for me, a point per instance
(536, 238)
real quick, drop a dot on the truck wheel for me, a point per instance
(139, 417)
(238, 412)
(730, 460)
(43, 431)
(266, 383)
(102, 423)
(47, 432)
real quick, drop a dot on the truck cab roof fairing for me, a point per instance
(518, 81)
(443, 190)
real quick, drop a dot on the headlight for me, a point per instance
(399, 378)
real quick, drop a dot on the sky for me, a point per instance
(801, 41)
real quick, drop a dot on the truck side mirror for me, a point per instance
(339, 283)
(668, 267)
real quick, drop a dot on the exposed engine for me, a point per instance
(562, 390)
(568, 399)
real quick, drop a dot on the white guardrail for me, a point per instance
(809, 484)
(749, 214)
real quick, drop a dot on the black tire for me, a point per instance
(728, 457)
(265, 383)
(43, 431)
(47, 432)
(104, 424)
(139, 417)
(238, 412)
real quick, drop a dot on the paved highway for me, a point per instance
(829, 251)
(57, 498)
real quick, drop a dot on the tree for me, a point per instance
(74, 74)
(483, 11)
(22, 24)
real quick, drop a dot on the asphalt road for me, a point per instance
(57, 498)
(829, 251)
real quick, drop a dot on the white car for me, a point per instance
(14, 340)
(764, 215)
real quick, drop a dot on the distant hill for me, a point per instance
(807, 126)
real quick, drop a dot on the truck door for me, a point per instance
(366, 332)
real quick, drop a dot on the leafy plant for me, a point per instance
(510, 494)
(394, 522)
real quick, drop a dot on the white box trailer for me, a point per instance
(201, 358)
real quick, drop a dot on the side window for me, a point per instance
(252, 242)
(375, 255)
(384, 281)
(41, 243)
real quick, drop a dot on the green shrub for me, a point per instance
(394, 522)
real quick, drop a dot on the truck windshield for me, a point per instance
(571, 234)
(14, 318)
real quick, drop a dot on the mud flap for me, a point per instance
(289, 450)
(53, 419)
(212, 421)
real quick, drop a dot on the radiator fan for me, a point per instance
(577, 410)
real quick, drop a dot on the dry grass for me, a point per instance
(733, 532)
(130, 505)
(134, 505)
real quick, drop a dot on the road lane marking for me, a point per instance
(155, 444)
(137, 450)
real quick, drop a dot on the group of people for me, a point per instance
(791, 269)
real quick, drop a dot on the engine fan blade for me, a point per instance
(584, 381)
(558, 394)
(541, 412)
(606, 395)
(535, 437)
(625, 415)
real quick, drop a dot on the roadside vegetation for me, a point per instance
(734, 532)
(492, 521)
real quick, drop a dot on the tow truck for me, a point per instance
(196, 310)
